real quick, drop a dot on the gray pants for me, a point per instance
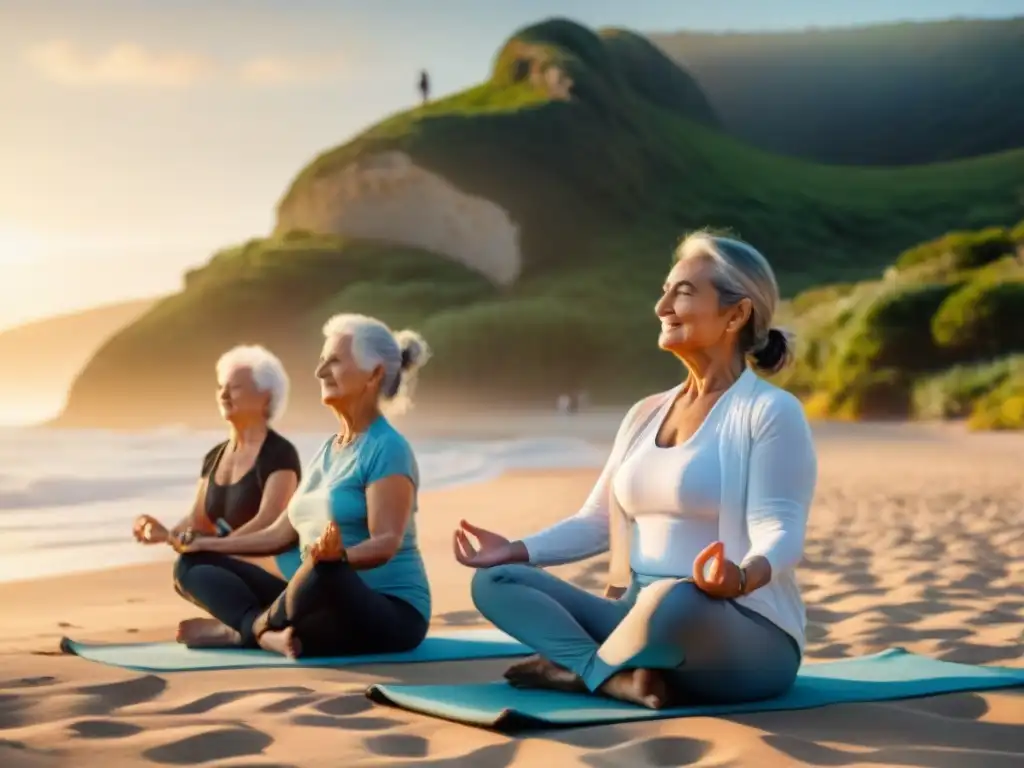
(714, 651)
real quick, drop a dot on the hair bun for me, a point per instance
(414, 349)
(775, 353)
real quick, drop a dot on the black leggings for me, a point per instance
(331, 610)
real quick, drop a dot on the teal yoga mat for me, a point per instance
(456, 645)
(891, 674)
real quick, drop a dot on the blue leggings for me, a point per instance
(713, 651)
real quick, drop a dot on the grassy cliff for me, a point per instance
(890, 94)
(603, 152)
(939, 336)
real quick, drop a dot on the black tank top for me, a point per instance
(237, 503)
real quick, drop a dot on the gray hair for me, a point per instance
(401, 354)
(267, 372)
(741, 272)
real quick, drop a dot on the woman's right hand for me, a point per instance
(149, 530)
(491, 548)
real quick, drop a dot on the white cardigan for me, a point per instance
(769, 473)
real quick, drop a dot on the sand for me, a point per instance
(916, 539)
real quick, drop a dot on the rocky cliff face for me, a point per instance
(387, 197)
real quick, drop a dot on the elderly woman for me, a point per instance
(361, 586)
(247, 480)
(705, 498)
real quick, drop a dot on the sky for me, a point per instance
(137, 137)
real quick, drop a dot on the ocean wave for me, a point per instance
(67, 500)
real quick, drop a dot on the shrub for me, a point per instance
(877, 394)
(1003, 408)
(822, 295)
(892, 331)
(400, 305)
(521, 348)
(960, 250)
(1017, 233)
(953, 393)
(983, 319)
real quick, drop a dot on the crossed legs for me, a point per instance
(325, 609)
(670, 639)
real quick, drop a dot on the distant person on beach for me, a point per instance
(424, 85)
(703, 504)
(246, 481)
(361, 586)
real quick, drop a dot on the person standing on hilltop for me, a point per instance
(703, 504)
(424, 85)
(246, 481)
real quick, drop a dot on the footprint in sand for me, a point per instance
(28, 682)
(220, 744)
(345, 723)
(104, 729)
(349, 704)
(292, 702)
(398, 745)
(104, 699)
(211, 701)
(660, 752)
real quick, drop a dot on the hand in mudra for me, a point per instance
(715, 575)
(149, 530)
(491, 548)
(188, 542)
(329, 546)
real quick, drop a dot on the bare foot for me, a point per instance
(538, 672)
(645, 687)
(207, 633)
(284, 642)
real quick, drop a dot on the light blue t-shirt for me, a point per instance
(334, 487)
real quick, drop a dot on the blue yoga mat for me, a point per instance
(457, 645)
(891, 674)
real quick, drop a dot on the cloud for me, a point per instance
(123, 64)
(131, 64)
(287, 70)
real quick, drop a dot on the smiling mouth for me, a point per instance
(670, 326)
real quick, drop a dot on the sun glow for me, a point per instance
(18, 246)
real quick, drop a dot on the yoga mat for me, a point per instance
(456, 645)
(891, 674)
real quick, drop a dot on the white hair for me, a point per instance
(400, 353)
(742, 272)
(267, 372)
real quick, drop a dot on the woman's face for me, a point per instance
(342, 381)
(239, 398)
(692, 318)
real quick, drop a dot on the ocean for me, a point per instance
(68, 497)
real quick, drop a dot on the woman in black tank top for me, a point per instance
(247, 480)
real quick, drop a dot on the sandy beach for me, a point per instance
(916, 540)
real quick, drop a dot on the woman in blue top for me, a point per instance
(361, 586)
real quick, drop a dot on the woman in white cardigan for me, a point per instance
(703, 503)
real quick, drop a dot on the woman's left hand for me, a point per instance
(185, 545)
(715, 575)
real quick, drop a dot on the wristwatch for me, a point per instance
(743, 581)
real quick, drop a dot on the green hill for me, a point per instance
(525, 226)
(892, 94)
(940, 335)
